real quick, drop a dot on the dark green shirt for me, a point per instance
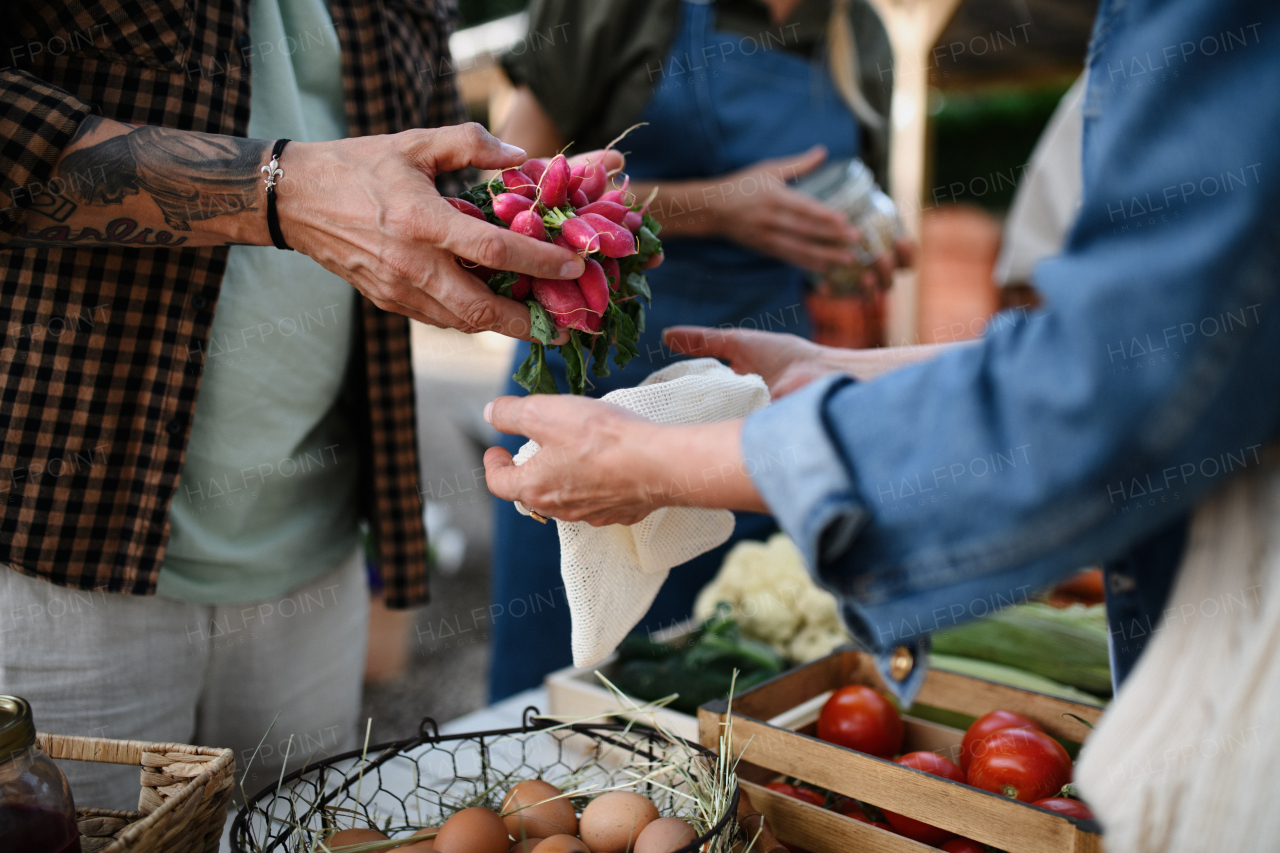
(592, 64)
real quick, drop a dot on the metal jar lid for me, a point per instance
(17, 729)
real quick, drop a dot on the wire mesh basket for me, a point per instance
(403, 786)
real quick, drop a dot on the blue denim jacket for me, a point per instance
(1075, 433)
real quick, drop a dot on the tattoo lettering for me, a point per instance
(119, 232)
(190, 176)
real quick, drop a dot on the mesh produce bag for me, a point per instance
(612, 574)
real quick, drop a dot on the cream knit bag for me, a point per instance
(612, 574)
(1187, 760)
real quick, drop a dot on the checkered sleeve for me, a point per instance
(37, 121)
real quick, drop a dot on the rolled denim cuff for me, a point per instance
(799, 471)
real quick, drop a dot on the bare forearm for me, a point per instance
(120, 184)
(684, 208)
(866, 364)
(699, 465)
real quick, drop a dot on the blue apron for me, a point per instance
(723, 102)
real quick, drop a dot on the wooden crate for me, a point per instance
(575, 693)
(774, 724)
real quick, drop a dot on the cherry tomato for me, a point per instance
(962, 845)
(1021, 763)
(929, 762)
(860, 718)
(796, 792)
(1063, 805)
(985, 725)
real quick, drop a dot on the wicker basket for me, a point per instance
(183, 803)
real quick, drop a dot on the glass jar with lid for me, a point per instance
(36, 809)
(849, 187)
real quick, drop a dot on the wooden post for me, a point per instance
(914, 27)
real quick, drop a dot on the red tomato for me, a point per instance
(985, 725)
(929, 762)
(796, 792)
(1063, 805)
(963, 845)
(860, 718)
(1021, 763)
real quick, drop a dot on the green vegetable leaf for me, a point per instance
(543, 328)
(533, 375)
(600, 354)
(654, 226)
(639, 286)
(500, 283)
(575, 362)
(649, 242)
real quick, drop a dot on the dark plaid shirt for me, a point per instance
(101, 349)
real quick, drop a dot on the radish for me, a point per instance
(565, 303)
(554, 184)
(618, 196)
(610, 266)
(594, 181)
(507, 205)
(519, 183)
(578, 199)
(575, 177)
(560, 241)
(582, 235)
(611, 211)
(534, 168)
(463, 206)
(594, 287)
(529, 223)
(633, 221)
(613, 240)
(521, 287)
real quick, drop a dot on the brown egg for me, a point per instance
(538, 819)
(665, 835)
(525, 846)
(473, 830)
(428, 846)
(612, 822)
(561, 844)
(347, 837)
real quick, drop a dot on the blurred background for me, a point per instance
(976, 84)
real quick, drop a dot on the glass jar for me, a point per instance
(36, 809)
(849, 187)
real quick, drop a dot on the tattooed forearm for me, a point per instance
(136, 185)
(191, 176)
(120, 232)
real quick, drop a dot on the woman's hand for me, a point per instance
(601, 464)
(757, 209)
(786, 363)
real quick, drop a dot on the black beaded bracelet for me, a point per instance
(273, 173)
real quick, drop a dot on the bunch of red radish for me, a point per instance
(570, 206)
(574, 207)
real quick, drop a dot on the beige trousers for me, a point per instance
(154, 669)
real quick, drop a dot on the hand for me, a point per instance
(602, 464)
(367, 209)
(786, 363)
(880, 276)
(756, 209)
(585, 469)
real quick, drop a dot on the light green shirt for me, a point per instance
(266, 498)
